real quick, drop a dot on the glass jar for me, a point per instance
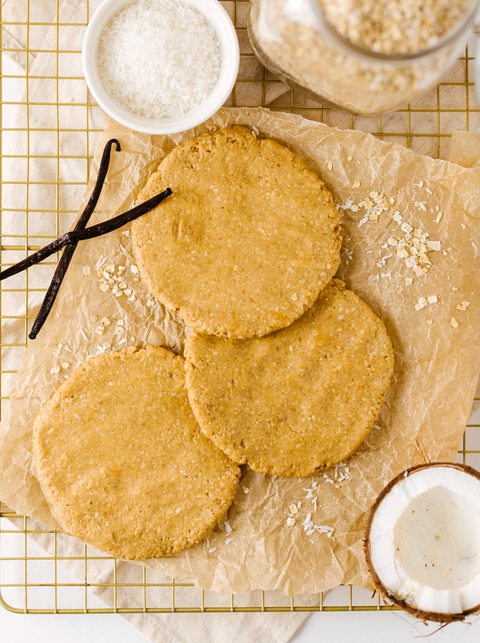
(296, 42)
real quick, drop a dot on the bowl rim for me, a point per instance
(216, 16)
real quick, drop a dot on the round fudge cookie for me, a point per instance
(123, 462)
(246, 242)
(302, 398)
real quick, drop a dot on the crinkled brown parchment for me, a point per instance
(436, 365)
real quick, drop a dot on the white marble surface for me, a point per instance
(338, 627)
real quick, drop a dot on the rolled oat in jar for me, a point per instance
(366, 56)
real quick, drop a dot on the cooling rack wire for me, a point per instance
(424, 126)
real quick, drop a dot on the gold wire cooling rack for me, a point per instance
(32, 580)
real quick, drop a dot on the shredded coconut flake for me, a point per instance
(159, 58)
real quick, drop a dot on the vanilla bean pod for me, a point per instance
(105, 227)
(67, 255)
(45, 252)
(71, 238)
(89, 233)
(94, 231)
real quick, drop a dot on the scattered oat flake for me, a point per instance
(122, 341)
(432, 299)
(104, 287)
(119, 330)
(83, 335)
(454, 322)
(57, 314)
(210, 551)
(439, 217)
(93, 318)
(356, 184)
(55, 370)
(434, 245)
(132, 298)
(227, 527)
(293, 509)
(86, 270)
(65, 365)
(99, 330)
(290, 522)
(56, 352)
(408, 281)
(134, 269)
(329, 166)
(429, 322)
(230, 540)
(105, 321)
(246, 490)
(454, 289)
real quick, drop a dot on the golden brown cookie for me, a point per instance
(300, 399)
(123, 462)
(246, 242)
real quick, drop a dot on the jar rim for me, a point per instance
(321, 22)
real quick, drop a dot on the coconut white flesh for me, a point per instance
(425, 540)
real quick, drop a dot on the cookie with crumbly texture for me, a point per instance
(246, 242)
(300, 399)
(123, 462)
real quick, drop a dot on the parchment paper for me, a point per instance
(436, 366)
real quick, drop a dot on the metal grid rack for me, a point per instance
(424, 126)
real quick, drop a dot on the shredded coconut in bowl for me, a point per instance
(159, 58)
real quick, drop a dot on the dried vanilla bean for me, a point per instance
(72, 238)
(69, 251)
(97, 231)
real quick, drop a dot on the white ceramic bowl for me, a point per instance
(216, 16)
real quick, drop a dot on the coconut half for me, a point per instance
(422, 542)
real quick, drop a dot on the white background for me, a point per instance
(334, 627)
